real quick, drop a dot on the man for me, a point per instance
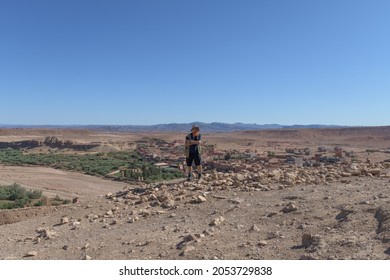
(192, 151)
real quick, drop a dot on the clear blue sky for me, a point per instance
(162, 61)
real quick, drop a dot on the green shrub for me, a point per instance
(38, 203)
(271, 154)
(12, 192)
(6, 205)
(20, 203)
(34, 194)
(17, 196)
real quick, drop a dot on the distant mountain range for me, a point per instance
(175, 127)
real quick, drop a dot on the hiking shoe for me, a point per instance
(189, 178)
(199, 176)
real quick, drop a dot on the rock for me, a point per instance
(348, 242)
(200, 199)
(218, 221)
(92, 218)
(272, 214)
(254, 228)
(264, 181)
(146, 214)
(142, 199)
(343, 215)
(64, 220)
(289, 208)
(37, 240)
(262, 243)
(374, 172)
(199, 235)
(345, 181)
(181, 245)
(239, 177)
(87, 258)
(143, 244)
(290, 175)
(201, 181)
(309, 240)
(168, 204)
(46, 233)
(354, 167)
(236, 200)
(366, 202)
(275, 174)
(32, 254)
(302, 226)
(345, 174)
(133, 220)
(187, 249)
(383, 217)
(208, 232)
(273, 235)
(164, 197)
(189, 238)
(109, 195)
(74, 224)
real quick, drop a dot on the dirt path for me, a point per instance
(52, 181)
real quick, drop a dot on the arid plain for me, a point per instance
(273, 194)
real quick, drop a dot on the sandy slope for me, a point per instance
(53, 181)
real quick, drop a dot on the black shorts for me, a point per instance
(193, 157)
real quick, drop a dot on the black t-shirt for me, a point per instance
(194, 148)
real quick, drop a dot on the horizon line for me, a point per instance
(187, 123)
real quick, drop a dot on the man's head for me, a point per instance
(195, 130)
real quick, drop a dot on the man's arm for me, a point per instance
(187, 142)
(193, 142)
(190, 142)
(197, 142)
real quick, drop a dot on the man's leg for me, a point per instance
(189, 170)
(198, 160)
(199, 167)
(189, 160)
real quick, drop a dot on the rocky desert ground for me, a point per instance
(269, 199)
